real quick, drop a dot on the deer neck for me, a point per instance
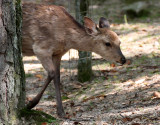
(80, 40)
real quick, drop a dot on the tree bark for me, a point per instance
(85, 58)
(12, 79)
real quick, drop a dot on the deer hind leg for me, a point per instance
(52, 65)
(48, 65)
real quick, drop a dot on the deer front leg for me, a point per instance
(60, 110)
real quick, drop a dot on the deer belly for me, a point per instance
(27, 49)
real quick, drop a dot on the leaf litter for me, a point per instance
(117, 95)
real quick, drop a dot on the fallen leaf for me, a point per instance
(151, 67)
(39, 109)
(44, 123)
(77, 86)
(106, 77)
(114, 24)
(90, 98)
(68, 115)
(72, 104)
(113, 71)
(103, 71)
(144, 30)
(79, 109)
(156, 94)
(77, 123)
(136, 28)
(136, 124)
(40, 77)
(128, 62)
(74, 114)
(101, 97)
(95, 97)
(125, 119)
(29, 98)
(140, 80)
(112, 65)
(105, 123)
(47, 96)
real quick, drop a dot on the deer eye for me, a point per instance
(107, 44)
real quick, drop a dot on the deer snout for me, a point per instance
(123, 60)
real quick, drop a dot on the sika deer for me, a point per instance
(49, 32)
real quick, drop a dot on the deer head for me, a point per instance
(105, 42)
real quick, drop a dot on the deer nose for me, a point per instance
(123, 60)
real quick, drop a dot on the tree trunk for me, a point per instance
(12, 80)
(85, 58)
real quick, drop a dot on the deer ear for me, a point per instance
(103, 23)
(90, 26)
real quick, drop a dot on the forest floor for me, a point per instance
(117, 95)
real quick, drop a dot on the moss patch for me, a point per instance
(37, 117)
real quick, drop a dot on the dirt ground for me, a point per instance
(117, 95)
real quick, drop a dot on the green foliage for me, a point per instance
(65, 98)
(132, 1)
(133, 14)
(137, 9)
(99, 79)
(99, 2)
(19, 68)
(37, 117)
(28, 75)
